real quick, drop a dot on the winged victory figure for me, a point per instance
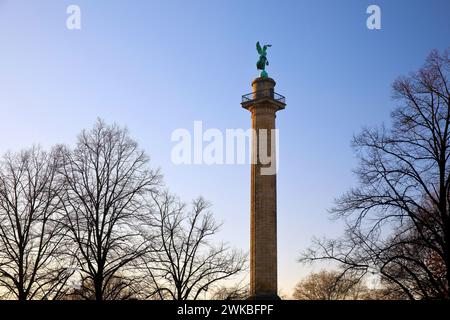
(262, 62)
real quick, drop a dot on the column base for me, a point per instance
(264, 297)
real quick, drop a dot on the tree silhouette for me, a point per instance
(107, 182)
(33, 263)
(185, 262)
(398, 221)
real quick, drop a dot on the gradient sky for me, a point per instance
(156, 66)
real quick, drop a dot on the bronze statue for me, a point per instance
(262, 62)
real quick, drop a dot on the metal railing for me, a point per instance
(270, 93)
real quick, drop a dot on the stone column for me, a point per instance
(263, 103)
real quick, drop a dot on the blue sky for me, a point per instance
(156, 66)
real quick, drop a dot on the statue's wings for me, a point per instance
(258, 48)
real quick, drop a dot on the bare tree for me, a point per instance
(237, 291)
(108, 180)
(330, 285)
(333, 285)
(32, 238)
(186, 263)
(398, 221)
(119, 287)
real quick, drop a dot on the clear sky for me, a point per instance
(156, 66)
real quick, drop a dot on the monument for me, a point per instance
(263, 102)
